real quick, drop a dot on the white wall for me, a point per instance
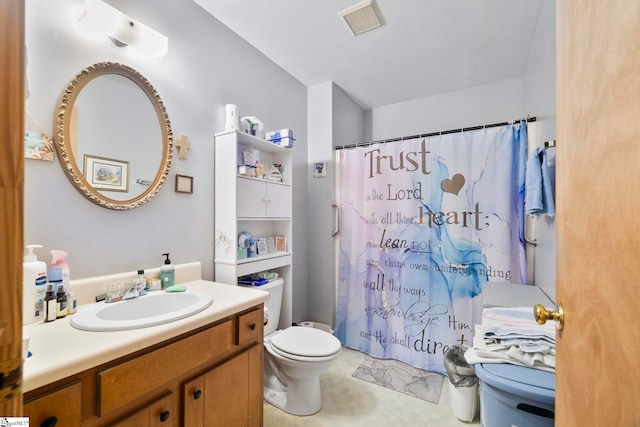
(539, 89)
(334, 119)
(479, 105)
(207, 67)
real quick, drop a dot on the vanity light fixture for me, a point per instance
(101, 19)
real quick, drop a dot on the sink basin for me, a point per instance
(152, 309)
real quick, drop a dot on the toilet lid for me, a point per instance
(303, 341)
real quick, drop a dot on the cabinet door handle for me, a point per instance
(252, 326)
(197, 394)
(49, 422)
(164, 416)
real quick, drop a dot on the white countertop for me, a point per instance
(60, 350)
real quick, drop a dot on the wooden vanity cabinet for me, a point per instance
(208, 377)
(213, 398)
(156, 414)
(59, 407)
(230, 394)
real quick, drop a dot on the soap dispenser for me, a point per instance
(167, 273)
(34, 281)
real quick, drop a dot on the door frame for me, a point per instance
(12, 95)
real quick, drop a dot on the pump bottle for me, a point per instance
(34, 281)
(167, 273)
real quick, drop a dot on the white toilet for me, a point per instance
(294, 359)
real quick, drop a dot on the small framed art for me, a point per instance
(281, 244)
(106, 174)
(320, 170)
(184, 184)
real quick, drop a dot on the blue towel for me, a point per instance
(538, 186)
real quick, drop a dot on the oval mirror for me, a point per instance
(113, 136)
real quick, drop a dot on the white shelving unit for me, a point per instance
(255, 205)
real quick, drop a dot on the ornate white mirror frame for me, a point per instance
(64, 127)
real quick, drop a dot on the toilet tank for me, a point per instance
(272, 307)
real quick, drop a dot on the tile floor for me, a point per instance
(348, 401)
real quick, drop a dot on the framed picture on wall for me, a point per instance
(106, 174)
(320, 170)
(184, 184)
(38, 146)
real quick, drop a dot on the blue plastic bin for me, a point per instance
(515, 396)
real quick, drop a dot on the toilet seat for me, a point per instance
(305, 344)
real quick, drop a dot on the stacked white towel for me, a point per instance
(511, 335)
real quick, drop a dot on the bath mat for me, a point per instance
(401, 377)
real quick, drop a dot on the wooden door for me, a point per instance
(227, 392)
(193, 403)
(156, 414)
(598, 212)
(255, 384)
(11, 202)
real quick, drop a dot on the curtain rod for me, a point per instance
(426, 135)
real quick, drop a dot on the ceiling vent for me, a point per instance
(361, 17)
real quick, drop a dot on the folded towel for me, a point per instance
(472, 357)
(511, 335)
(515, 325)
(538, 185)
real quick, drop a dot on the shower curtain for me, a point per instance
(424, 223)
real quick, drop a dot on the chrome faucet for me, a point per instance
(118, 291)
(135, 289)
(132, 291)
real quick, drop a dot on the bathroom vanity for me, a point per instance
(202, 370)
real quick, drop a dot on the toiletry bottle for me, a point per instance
(143, 279)
(55, 280)
(252, 250)
(167, 273)
(72, 303)
(50, 305)
(59, 262)
(61, 305)
(34, 286)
